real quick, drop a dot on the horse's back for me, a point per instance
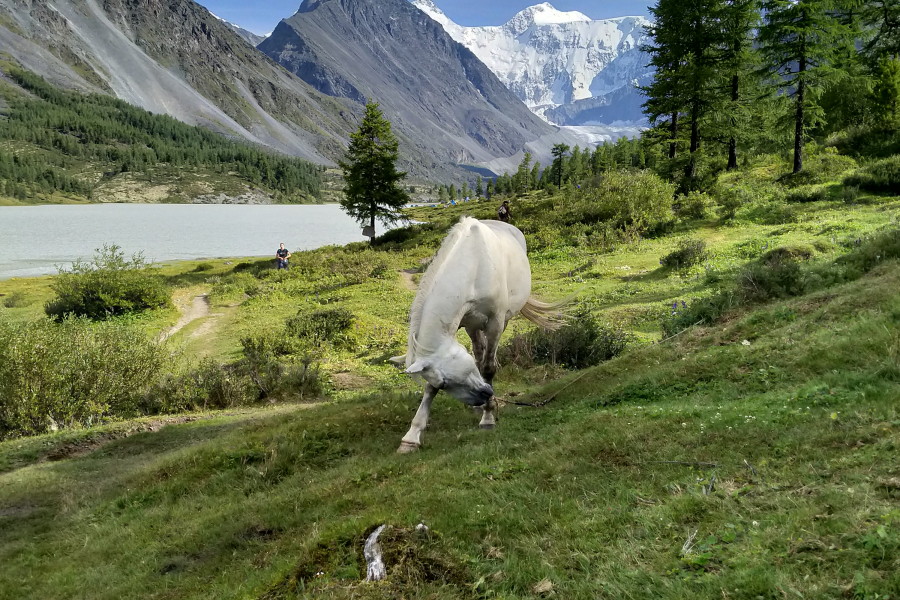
(505, 229)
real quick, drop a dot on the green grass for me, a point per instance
(792, 406)
(578, 492)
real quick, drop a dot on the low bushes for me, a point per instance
(328, 325)
(17, 300)
(108, 286)
(688, 254)
(583, 342)
(881, 176)
(781, 273)
(72, 373)
(635, 203)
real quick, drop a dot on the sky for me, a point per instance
(261, 16)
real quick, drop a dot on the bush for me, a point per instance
(108, 286)
(881, 176)
(688, 254)
(820, 168)
(695, 205)
(330, 325)
(17, 300)
(202, 267)
(274, 377)
(807, 194)
(234, 286)
(636, 203)
(850, 194)
(210, 385)
(583, 342)
(72, 373)
(885, 245)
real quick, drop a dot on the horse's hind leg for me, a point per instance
(488, 368)
(479, 346)
(413, 438)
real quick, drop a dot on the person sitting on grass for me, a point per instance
(503, 212)
(282, 255)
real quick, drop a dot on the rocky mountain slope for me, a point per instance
(445, 104)
(550, 58)
(251, 38)
(174, 57)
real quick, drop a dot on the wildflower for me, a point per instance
(746, 342)
(683, 304)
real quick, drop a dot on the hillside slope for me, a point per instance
(174, 57)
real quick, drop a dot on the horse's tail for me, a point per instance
(545, 315)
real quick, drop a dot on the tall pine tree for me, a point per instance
(371, 181)
(799, 41)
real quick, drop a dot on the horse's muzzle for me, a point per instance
(483, 395)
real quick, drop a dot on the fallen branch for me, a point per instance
(707, 490)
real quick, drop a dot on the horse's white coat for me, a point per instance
(479, 279)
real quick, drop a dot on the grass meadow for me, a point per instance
(749, 454)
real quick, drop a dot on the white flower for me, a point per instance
(746, 342)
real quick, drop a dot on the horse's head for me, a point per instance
(454, 371)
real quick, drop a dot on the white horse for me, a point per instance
(479, 279)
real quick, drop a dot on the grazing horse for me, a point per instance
(479, 279)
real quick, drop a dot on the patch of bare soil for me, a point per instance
(349, 381)
(408, 280)
(199, 309)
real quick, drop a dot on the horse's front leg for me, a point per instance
(413, 438)
(488, 367)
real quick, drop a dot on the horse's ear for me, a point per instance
(418, 367)
(398, 361)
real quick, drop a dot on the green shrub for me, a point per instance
(202, 267)
(850, 194)
(272, 376)
(108, 286)
(807, 194)
(583, 342)
(881, 176)
(17, 300)
(234, 286)
(695, 205)
(820, 168)
(871, 252)
(766, 280)
(210, 385)
(330, 325)
(731, 199)
(688, 254)
(636, 203)
(72, 373)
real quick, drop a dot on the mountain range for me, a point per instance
(301, 89)
(566, 67)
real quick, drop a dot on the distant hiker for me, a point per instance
(503, 212)
(282, 255)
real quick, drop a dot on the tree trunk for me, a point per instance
(673, 145)
(732, 143)
(691, 169)
(798, 131)
(372, 224)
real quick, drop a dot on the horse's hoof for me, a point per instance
(487, 426)
(406, 448)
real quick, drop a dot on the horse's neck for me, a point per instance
(442, 311)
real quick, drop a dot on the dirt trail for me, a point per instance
(408, 281)
(199, 310)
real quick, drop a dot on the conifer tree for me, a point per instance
(371, 180)
(559, 156)
(799, 41)
(522, 178)
(535, 181)
(464, 193)
(886, 92)
(489, 189)
(479, 187)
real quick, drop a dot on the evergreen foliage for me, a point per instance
(371, 180)
(559, 156)
(800, 41)
(72, 128)
(886, 92)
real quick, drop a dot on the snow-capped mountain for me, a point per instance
(550, 58)
(251, 38)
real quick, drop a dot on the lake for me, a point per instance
(34, 239)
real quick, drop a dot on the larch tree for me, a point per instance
(799, 41)
(372, 187)
(559, 156)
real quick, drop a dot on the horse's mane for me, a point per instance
(427, 282)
